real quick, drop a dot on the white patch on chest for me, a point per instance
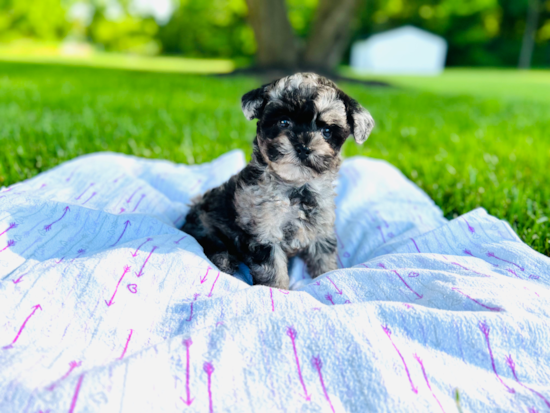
(266, 211)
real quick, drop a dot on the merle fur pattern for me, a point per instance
(282, 203)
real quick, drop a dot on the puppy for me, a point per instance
(282, 203)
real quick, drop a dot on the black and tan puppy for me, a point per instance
(282, 203)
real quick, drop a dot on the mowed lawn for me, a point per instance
(465, 146)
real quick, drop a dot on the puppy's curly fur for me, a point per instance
(282, 203)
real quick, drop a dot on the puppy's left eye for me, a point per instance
(327, 133)
(285, 123)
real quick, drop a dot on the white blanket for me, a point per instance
(106, 306)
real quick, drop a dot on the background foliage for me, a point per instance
(211, 28)
(27, 19)
(479, 32)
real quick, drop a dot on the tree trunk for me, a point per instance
(528, 43)
(275, 39)
(330, 34)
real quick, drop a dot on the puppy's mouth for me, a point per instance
(319, 163)
(287, 162)
(313, 159)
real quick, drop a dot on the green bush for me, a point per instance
(42, 19)
(125, 34)
(208, 28)
(479, 32)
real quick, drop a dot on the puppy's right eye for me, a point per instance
(285, 123)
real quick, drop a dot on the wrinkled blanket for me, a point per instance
(106, 306)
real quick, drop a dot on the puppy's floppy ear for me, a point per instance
(253, 102)
(359, 119)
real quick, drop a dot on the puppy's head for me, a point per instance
(304, 120)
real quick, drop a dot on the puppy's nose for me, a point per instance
(302, 151)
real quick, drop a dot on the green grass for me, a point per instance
(465, 146)
(507, 85)
(131, 62)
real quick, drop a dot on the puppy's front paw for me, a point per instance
(225, 262)
(322, 265)
(281, 284)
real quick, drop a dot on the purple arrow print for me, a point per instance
(139, 202)
(86, 190)
(79, 253)
(126, 224)
(379, 228)
(468, 269)
(138, 248)
(49, 226)
(318, 365)
(110, 302)
(512, 366)
(213, 285)
(329, 297)
(209, 369)
(191, 314)
(407, 285)
(416, 246)
(339, 291)
(116, 180)
(470, 228)
(203, 279)
(427, 381)
(492, 255)
(388, 333)
(485, 329)
(145, 263)
(382, 219)
(291, 332)
(178, 241)
(11, 226)
(475, 301)
(11, 243)
(71, 175)
(93, 194)
(187, 343)
(131, 196)
(10, 346)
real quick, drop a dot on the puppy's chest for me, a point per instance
(282, 214)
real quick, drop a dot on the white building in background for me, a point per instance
(406, 50)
